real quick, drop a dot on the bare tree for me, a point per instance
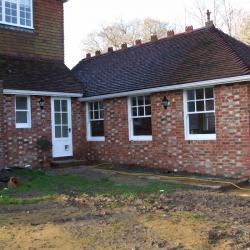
(244, 31)
(226, 15)
(124, 32)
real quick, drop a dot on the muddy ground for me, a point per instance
(194, 219)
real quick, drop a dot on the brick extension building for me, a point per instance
(179, 103)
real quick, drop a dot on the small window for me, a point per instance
(23, 112)
(95, 120)
(140, 127)
(200, 114)
(16, 12)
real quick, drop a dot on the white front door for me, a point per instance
(61, 127)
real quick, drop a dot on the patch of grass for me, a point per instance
(193, 216)
(37, 186)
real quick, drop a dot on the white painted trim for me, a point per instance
(194, 137)
(132, 137)
(28, 124)
(31, 27)
(88, 134)
(199, 84)
(39, 93)
(70, 138)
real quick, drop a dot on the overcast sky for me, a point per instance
(85, 16)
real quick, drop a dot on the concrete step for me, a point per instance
(67, 163)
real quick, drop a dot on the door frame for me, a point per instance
(69, 106)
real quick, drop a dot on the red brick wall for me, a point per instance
(47, 38)
(228, 155)
(1, 127)
(21, 143)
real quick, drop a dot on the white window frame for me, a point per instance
(28, 124)
(133, 137)
(88, 124)
(18, 24)
(197, 137)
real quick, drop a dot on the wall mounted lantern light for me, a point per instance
(165, 102)
(41, 103)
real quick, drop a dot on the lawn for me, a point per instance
(37, 185)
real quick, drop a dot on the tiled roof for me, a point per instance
(37, 75)
(202, 54)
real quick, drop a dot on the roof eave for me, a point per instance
(207, 83)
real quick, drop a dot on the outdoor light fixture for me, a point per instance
(41, 103)
(165, 102)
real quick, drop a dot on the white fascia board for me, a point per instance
(207, 83)
(39, 93)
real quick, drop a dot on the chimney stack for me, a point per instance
(110, 49)
(98, 53)
(209, 23)
(138, 42)
(88, 55)
(170, 33)
(154, 38)
(124, 46)
(189, 28)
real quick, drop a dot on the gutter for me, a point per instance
(207, 83)
(39, 93)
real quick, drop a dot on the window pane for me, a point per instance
(209, 93)
(65, 118)
(200, 106)
(96, 114)
(97, 128)
(58, 131)
(91, 115)
(141, 111)
(140, 100)
(209, 105)
(96, 105)
(191, 106)
(133, 101)
(21, 103)
(134, 111)
(199, 93)
(64, 106)
(101, 105)
(142, 126)
(202, 123)
(101, 114)
(21, 117)
(147, 100)
(58, 118)
(1, 10)
(65, 131)
(148, 110)
(57, 105)
(190, 94)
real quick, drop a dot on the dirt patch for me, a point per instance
(178, 220)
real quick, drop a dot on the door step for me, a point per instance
(67, 163)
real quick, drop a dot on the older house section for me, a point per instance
(181, 103)
(40, 93)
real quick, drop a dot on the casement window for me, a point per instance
(16, 13)
(95, 121)
(23, 112)
(199, 111)
(139, 115)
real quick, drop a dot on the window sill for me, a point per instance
(16, 27)
(141, 138)
(200, 137)
(97, 138)
(23, 126)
